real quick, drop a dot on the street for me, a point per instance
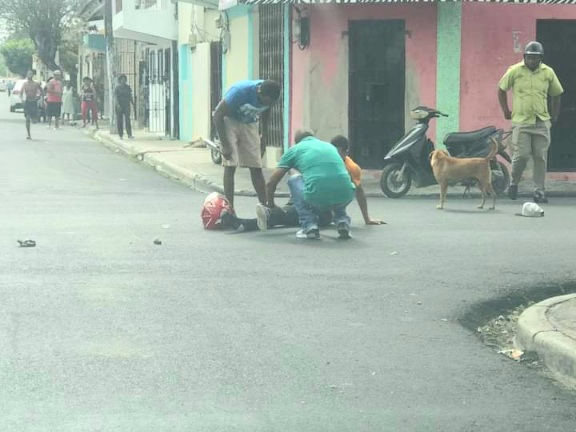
(103, 330)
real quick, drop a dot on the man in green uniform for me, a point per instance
(532, 83)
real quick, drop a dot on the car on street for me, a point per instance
(15, 101)
(3, 84)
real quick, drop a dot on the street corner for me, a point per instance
(549, 329)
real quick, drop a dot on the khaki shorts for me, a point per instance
(244, 138)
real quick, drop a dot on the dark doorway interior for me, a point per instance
(376, 88)
(558, 38)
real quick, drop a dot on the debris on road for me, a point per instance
(157, 242)
(514, 354)
(394, 253)
(27, 243)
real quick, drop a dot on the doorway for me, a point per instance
(557, 37)
(377, 64)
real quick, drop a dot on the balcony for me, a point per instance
(151, 21)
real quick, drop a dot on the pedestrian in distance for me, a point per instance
(9, 88)
(237, 119)
(54, 91)
(31, 96)
(532, 83)
(68, 111)
(89, 104)
(123, 100)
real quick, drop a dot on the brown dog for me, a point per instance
(450, 169)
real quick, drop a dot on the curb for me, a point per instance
(536, 333)
(189, 178)
(198, 182)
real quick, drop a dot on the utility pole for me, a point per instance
(110, 61)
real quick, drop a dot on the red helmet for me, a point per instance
(215, 205)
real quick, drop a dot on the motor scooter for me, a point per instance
(408, 161)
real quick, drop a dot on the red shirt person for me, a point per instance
(54, 90)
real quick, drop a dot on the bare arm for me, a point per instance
(363, 204)
(503, 99)
(555, 108)
(219, 113)
(273, 181)
(265, 121)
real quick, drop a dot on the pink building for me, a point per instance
(367, 65)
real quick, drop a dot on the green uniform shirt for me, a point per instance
(326, 180)
(530, 91)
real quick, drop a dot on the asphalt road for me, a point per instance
(102, 330)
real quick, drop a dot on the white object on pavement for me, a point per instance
(530, 209)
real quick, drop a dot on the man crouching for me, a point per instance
(322, 183)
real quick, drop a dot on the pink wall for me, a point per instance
(319, 73)
(488, 50)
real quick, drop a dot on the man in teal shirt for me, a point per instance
(323, 183)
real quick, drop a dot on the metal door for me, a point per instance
(215, 79)
(272, 66)
(557, 37)
(156, 91)
(377, 63)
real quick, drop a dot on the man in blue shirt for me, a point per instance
(323, 183)
(236, 119)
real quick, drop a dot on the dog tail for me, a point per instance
(493, 149)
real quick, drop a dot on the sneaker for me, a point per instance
(312, 234)
(513, 191)
(343, 231)
(229, 221)
(262, 215)
(540, 198)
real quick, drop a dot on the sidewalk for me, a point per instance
(549, 328)
(193, 167)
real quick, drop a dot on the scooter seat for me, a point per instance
(468, 137)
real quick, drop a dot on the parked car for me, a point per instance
(3, 84)
(15, 101)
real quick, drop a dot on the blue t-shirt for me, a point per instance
(243, 103)
(326, 180)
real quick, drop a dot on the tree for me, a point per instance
(18, 55)
(43, 21)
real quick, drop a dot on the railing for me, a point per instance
(272, 66)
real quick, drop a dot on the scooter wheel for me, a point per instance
(391, 184)
(216, 156)
(500, 182)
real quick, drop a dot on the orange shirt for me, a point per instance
(354, 170)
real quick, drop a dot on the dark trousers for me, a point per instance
(286, 216)
(123, 113)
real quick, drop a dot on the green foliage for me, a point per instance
(17, 55)
(43, 21)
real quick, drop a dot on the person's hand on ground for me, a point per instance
(375, 222)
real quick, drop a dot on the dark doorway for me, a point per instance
(376, 88)
(558, 38)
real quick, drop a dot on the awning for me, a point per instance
(209, 4)
(225, 4)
